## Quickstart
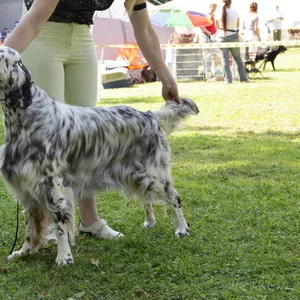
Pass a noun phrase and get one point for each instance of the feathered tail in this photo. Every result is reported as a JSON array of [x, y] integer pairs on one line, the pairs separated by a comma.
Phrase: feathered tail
[[171, 115]]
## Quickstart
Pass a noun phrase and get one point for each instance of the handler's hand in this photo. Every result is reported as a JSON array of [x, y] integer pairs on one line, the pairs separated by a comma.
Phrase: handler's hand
[[170, 92]]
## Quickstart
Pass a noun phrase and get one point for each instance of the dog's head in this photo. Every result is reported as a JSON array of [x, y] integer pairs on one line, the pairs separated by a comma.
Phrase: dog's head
[[15, 79], [281, 49]]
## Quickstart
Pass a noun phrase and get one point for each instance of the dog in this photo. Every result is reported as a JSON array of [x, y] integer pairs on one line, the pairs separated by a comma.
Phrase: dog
[[269, 54], [55, 153]]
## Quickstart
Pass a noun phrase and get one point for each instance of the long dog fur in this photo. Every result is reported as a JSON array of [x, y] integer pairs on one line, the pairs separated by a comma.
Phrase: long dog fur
[[55, 153]]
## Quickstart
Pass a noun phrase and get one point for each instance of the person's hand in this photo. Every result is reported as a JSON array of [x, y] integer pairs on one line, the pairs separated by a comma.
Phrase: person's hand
[[170, 92]]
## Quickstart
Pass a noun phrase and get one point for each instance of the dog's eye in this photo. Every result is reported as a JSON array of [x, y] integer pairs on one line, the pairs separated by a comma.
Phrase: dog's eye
[[10, 81]]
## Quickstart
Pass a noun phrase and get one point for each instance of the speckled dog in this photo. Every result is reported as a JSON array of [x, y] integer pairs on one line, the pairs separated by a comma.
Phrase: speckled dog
[[55, 153]]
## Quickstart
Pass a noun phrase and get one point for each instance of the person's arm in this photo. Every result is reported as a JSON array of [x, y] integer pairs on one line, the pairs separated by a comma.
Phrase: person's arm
[[256, 28], [31, 24], [148, 42]]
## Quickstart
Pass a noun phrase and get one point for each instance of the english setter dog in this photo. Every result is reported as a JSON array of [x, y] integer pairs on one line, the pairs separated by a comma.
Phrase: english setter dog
[[55, 153]]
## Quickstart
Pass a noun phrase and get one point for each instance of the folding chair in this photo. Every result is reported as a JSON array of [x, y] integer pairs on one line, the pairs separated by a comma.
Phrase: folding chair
[[253, 70]]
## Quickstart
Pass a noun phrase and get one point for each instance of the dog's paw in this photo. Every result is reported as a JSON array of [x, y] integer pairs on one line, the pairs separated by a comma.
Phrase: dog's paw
[[14, 255], [181, 232], [23, 251], [148, 224], [64, 259]]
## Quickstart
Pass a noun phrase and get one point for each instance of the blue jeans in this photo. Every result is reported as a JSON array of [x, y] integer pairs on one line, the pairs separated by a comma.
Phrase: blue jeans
[[235, 52]]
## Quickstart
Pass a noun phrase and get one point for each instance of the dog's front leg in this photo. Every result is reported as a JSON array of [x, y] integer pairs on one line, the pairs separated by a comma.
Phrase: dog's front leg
[[150, 217], [60, 201], [34, 231]]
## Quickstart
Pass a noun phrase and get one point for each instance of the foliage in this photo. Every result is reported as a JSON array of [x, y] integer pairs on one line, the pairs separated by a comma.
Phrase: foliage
[[236, 167]]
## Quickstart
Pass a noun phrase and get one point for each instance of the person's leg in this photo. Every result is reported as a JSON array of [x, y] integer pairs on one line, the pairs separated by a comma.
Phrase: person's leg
[[236, 54], [45, 60], [279, 31], [81, 81], [226, 65]]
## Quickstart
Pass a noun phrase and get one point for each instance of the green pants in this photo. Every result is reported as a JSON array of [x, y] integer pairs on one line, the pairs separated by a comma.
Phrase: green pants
[[62, 61]]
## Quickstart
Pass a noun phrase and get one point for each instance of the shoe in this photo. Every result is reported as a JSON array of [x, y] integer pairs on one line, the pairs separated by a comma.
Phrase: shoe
[[101, 230]]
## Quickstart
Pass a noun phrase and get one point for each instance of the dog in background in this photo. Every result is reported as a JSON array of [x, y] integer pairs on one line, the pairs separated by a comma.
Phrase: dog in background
[[55, 153], [269, 54]]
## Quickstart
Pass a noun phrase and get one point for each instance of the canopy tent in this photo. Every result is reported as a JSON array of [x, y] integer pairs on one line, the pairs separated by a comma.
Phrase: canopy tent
[[112, 27]]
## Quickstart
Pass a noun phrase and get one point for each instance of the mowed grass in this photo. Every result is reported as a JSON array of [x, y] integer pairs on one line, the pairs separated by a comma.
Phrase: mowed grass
[[236, 167]]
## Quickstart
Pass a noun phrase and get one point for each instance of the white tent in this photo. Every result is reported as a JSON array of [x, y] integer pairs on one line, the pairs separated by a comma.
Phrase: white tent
[[112, 27]]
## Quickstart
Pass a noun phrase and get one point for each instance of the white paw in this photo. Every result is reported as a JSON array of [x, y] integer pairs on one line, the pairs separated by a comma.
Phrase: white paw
[[64, 259], [181, 232], [148, 224], [22, 252], [14, 255]]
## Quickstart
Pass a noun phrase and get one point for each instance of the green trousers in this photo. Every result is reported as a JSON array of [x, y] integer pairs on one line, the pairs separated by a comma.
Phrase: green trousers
[[62, 61]]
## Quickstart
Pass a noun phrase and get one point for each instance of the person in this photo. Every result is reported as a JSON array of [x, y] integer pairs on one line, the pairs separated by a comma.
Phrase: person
[[275, 23], [251, 30], [55, 40], [210, 37], [228, 23]]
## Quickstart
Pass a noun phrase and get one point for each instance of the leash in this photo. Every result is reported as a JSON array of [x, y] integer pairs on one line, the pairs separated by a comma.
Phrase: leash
[[17, 229]]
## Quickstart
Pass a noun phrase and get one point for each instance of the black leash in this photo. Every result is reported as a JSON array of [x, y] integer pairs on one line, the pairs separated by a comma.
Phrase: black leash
[[17, 230]]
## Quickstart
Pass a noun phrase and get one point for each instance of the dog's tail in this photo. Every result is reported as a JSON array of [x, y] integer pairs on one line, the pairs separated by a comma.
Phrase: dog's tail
[[170, 115]]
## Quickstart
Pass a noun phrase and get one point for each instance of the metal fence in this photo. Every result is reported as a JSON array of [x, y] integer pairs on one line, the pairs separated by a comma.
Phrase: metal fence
[[203, 61]]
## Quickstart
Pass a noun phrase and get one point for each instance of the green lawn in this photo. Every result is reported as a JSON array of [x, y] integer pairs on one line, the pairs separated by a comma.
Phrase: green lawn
[[237, 168]]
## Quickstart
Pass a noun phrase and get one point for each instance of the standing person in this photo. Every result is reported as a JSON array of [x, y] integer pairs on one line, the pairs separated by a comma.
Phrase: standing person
[[210, 37], [275, 24], [251, 30], [54, 37], [228, 23]]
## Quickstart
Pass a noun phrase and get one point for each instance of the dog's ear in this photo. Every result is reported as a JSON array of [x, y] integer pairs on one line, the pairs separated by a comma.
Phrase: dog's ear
[[25, 99]]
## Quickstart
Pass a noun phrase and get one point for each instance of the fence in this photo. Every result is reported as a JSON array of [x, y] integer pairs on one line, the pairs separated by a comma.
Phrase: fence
[[198, 61]]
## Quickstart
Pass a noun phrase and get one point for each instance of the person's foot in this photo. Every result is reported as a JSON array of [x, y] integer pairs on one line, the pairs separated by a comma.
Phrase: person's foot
[[101, 230]]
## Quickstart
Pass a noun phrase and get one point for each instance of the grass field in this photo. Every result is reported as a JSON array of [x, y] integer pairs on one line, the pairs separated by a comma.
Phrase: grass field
[[237, 168]]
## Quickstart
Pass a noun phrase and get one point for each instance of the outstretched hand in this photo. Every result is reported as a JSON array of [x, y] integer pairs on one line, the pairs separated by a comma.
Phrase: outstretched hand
[[170, 92]]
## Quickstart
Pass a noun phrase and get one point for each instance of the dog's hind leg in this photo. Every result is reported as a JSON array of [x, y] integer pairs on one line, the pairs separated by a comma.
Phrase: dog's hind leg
[[161, 189], [35, 219], [60, 201]]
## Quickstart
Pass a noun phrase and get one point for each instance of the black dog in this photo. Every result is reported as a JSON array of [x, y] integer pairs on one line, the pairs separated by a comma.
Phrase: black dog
[[269, 54]]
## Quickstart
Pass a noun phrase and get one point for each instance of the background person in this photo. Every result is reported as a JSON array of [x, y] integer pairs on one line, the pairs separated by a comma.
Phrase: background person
[[275, 24], [251, 30], [54, 37], [228, 22], [209, 32]]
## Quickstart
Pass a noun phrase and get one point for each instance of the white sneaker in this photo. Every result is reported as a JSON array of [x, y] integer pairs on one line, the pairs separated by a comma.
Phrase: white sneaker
[[101, 230]]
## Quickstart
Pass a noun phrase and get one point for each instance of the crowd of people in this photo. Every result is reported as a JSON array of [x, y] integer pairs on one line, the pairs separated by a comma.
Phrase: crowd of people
[[229, 25]]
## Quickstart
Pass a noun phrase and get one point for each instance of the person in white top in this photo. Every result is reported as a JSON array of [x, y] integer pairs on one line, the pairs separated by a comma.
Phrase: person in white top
[[275, 24], [228, 23], [251, 30]]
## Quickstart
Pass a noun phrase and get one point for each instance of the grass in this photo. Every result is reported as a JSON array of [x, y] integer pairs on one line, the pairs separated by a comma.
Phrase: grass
[[236, 167]]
